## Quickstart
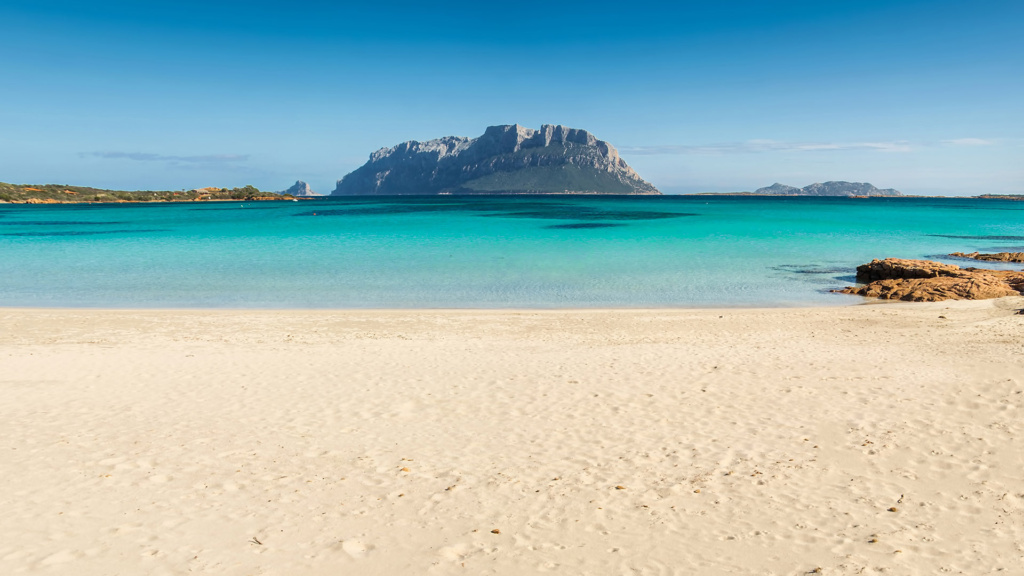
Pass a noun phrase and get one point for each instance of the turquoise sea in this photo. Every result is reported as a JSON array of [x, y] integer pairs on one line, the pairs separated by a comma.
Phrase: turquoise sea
[[480, 252]]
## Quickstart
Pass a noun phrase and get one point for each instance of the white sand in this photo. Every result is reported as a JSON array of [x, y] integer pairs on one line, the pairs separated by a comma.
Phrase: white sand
[[367, 442]]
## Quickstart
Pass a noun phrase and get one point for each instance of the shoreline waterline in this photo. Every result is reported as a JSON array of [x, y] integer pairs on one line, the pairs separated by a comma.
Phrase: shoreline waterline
[[1007, 302]]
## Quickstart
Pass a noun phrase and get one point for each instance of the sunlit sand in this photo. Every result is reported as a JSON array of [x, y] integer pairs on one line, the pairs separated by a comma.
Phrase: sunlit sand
[[858, 440]]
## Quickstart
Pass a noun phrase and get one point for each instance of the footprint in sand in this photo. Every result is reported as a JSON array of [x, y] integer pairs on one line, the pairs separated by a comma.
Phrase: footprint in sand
[[455, 553], [355, 548], [62, 557]]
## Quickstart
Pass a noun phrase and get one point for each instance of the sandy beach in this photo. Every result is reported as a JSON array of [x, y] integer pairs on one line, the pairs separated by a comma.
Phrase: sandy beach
[[874, 439]]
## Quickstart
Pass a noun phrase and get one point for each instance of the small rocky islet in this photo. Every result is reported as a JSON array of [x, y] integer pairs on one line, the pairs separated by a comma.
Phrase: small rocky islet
[[300, 190]]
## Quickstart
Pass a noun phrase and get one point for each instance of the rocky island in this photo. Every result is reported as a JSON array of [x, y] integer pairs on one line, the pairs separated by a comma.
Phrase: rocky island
[[831, 188], [506, 159], [300, 190]]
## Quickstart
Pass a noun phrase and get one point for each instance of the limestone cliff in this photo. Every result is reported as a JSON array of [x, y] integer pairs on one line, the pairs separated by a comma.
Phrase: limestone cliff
[[507, 159]]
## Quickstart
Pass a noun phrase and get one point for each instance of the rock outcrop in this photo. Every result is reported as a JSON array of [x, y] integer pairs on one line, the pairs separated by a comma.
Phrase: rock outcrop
[[833, 188], [997, 257], [927, 281], [300, 190], [507, 159]]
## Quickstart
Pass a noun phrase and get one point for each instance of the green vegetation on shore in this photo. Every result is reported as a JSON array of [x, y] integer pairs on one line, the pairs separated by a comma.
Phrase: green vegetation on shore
[[1003, 196], [65, 193]]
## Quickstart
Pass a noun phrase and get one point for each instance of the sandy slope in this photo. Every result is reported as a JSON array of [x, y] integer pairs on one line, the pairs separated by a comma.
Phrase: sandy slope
[[365, 442]]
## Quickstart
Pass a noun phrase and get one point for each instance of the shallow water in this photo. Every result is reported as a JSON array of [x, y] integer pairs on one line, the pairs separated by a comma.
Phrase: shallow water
[[480, 252]]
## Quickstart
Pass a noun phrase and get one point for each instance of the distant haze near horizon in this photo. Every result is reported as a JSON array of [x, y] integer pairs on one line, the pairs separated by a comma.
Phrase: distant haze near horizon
[[921, 96]]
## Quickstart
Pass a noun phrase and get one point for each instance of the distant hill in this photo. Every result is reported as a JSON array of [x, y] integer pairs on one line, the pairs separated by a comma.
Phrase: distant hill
[[506, 159], [779, 190], [832, 188]]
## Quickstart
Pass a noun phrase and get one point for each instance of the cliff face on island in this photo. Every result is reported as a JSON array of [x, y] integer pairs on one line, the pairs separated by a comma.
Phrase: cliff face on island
[[506, 159], [832, 188]]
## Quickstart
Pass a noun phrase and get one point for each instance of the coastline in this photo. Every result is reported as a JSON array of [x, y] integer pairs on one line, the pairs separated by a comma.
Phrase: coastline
[[35, 202], [592, 441]]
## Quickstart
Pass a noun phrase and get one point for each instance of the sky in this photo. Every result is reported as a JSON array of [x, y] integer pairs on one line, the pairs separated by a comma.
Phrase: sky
[[925, 96]]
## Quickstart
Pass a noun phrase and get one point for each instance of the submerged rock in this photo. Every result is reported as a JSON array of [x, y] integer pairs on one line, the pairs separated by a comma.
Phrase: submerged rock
[[507, 159], [927, 281]]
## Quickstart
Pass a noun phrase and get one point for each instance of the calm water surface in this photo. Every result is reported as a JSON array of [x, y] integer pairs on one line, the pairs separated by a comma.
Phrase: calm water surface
[[479, 252]]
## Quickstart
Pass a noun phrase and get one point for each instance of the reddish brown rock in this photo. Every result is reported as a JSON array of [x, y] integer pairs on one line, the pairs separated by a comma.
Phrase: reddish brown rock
[[936, 289], [997, 257], [927, 281]]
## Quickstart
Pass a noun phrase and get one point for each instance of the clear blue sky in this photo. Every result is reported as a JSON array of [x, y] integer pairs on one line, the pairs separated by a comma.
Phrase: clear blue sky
[[924, 96]]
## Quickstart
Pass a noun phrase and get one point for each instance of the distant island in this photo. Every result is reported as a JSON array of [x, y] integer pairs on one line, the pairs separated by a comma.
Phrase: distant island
[[507, 159], [68, 194], [848, 190], [831, 188], [300, 190]]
